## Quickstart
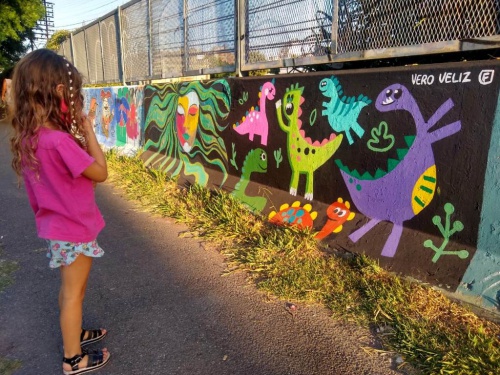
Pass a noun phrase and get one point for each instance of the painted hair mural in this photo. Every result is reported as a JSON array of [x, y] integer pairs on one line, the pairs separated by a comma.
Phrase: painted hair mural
[[400, 164], [182, 128]]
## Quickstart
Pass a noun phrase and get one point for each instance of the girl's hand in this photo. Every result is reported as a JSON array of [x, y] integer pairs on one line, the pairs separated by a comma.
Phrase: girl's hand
[[87, 124]]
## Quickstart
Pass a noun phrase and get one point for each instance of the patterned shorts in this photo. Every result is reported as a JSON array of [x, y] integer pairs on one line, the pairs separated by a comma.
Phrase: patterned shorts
[[63, 253]]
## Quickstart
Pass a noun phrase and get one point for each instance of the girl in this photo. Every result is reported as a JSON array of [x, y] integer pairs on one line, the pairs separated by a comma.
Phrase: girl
[[57, 154]]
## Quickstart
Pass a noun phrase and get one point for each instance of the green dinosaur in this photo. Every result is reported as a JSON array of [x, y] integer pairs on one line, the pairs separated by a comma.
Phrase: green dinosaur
[[304, 155], [255, 161], [342, 112]]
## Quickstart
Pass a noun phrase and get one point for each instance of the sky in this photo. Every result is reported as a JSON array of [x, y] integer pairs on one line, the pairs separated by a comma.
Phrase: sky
[[72, 14]]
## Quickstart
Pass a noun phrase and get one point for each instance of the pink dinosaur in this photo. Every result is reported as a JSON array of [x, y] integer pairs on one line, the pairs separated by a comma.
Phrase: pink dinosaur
[[255, 122]]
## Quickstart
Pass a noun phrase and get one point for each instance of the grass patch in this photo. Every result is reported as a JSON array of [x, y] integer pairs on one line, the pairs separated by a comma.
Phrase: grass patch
[[432, 333], [8, 366]]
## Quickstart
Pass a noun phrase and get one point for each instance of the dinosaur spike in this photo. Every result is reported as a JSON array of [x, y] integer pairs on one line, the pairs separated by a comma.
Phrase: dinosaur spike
[[367, 176], [351, 216], [379, 173], [271, 215], [273, 81], [391, 164], [252, 109], [314, 215], [356, 174], [257, 108], [307, 207], [284, 206], [401, 153], [296, 204], [409, 139], [347, 204], [243, 118], [340, 200], [260, 94], [340, 165], [338, 229]]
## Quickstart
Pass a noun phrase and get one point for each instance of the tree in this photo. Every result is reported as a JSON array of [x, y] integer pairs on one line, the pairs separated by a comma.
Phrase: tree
[[57, 39], [17, 18]]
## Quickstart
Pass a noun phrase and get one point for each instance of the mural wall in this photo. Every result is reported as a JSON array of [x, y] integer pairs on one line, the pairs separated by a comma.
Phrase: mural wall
[[400, 164], [116, 113]]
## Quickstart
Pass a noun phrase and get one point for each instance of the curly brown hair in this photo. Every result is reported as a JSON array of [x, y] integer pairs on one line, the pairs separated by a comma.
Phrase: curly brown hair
[[37, 103]]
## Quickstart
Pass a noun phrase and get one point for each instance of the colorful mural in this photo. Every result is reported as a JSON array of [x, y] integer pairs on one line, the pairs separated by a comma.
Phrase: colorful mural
[[402, 153], [116, 114], [183, 123]]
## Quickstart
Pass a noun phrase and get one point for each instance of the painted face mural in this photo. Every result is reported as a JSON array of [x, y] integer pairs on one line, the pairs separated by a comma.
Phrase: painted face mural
[[188, 115], [183, 125]]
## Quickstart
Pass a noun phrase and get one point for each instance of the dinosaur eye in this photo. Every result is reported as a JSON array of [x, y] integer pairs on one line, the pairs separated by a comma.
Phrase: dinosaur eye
[[263, 156], [388, 93], [342, 213], [398, 93], [336, 210]]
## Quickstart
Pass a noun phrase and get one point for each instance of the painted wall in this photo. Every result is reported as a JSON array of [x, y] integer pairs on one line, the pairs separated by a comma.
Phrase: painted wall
[[116, 113], [400, 164]]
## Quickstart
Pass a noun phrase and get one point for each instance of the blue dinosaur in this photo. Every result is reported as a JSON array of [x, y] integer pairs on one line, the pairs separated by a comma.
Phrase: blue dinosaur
[[342, 111]]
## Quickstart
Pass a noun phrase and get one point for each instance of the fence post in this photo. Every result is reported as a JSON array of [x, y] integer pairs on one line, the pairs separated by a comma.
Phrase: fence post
[[102, 54], [150, 40], [335, 27], [71, 48], [185, 60], [241, 37], [86, 53], [121, 66]]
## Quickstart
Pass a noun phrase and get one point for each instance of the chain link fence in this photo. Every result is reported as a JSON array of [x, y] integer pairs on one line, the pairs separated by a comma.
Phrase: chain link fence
[[154, 39]]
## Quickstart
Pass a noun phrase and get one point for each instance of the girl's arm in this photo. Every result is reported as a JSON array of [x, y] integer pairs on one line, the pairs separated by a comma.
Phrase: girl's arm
[[98, 170]]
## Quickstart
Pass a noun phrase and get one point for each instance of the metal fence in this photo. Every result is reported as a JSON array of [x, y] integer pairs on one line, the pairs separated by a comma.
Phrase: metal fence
[[153, 39]]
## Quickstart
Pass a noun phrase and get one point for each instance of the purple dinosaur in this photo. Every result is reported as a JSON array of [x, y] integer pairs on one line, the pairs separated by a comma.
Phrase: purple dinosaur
[[255, 121], [408, 186]]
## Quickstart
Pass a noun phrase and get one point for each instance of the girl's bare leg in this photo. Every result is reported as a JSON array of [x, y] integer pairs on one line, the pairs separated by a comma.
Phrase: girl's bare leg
[[73, 283]]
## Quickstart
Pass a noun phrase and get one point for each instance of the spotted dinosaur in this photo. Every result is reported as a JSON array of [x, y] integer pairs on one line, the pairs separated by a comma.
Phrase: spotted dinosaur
[[342, 112], [303, 217], [255, 161], [408, 185], [295, 215], [304, 155], [255, 122]]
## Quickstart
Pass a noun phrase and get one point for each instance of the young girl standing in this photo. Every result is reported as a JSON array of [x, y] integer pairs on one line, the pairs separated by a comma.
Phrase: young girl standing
[[57, 154]]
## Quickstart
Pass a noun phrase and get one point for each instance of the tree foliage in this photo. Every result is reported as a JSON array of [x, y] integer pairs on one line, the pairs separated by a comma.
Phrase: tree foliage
[[16, 16], [57, 39], [17, 19]]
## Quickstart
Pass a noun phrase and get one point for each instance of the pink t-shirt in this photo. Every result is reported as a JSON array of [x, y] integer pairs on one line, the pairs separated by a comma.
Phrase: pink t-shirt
[[62, 198]]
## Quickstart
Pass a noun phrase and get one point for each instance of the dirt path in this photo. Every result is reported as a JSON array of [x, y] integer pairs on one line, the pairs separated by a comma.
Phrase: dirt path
[[165, 303]]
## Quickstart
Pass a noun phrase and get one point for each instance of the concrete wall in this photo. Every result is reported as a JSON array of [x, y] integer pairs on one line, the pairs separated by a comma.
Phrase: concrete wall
[[401, 164]]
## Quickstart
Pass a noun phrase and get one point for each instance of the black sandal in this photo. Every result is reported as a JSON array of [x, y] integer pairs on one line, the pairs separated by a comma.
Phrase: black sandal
[[93, 336], [95, 361]]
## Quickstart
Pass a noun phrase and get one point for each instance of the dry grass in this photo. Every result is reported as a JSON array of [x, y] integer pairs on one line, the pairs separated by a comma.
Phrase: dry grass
[[432, 333]]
